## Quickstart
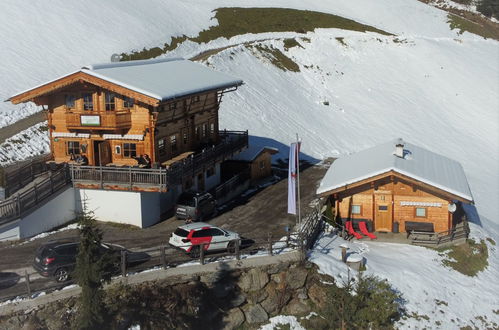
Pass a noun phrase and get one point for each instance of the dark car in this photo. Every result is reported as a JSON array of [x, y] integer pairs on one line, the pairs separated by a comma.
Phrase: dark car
[[57, 259], [195, 206]]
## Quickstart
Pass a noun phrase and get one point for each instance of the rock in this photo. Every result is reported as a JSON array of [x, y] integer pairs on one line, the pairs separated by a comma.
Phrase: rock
[[318, 295], [255, 297], [255, 314], [209, 279], [277, 297], [237, 300], [253, 280], [297, 307], [302, 294], [222, 290], [277, 268], [233, 319], [277, 278], [296, 277]]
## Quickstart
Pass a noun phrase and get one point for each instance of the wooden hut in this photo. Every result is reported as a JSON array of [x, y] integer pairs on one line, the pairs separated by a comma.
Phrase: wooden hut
[[397, 187], [255, 160]]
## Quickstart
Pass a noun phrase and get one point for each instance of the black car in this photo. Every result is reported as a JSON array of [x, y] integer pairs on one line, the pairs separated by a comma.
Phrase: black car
[[195, 206], [57, 259]]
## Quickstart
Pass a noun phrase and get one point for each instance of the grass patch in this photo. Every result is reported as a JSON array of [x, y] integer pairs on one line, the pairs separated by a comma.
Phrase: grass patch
[[491, 241], [462, 24], [469, 258], [237, 21], [276, 57], [290, 43], [122, 226], [341, 40]]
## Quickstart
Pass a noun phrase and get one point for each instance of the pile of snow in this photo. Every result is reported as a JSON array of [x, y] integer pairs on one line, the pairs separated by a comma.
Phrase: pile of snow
[[30, 142]]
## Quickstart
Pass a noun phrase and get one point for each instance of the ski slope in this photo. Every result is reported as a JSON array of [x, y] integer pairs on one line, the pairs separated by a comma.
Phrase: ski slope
[[427, 84]]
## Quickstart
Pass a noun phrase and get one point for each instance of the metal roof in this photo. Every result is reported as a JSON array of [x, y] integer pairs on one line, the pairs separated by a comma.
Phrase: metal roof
[[250, 153], [418, 163]]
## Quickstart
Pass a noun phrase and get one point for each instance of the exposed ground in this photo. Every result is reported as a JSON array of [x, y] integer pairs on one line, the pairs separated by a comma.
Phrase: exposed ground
[[21, 125]]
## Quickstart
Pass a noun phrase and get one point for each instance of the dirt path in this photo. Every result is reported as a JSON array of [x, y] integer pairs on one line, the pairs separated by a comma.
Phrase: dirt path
[[21, 125]]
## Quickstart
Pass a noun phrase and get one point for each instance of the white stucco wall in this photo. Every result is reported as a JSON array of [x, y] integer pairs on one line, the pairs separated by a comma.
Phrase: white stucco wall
[[10, 231], [55, 212]]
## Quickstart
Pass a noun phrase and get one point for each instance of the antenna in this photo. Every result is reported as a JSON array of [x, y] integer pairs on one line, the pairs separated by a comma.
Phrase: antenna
[[115, 58]]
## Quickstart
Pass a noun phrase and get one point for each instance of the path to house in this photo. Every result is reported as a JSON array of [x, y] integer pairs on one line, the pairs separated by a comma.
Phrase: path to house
[[21, 125]]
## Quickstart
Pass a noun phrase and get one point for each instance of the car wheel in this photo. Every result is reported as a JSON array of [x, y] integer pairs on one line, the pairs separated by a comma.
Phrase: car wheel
[[231, 247], [61, 275], [195, 251]]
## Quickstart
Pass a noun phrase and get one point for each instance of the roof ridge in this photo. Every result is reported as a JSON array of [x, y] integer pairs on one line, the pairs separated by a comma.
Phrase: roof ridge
[[130, 63]]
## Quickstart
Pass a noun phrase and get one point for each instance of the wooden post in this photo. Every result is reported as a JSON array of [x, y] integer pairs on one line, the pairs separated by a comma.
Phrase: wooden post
[[270, 244], [344, 254], [288, 236], [238, 250], [26, 277], [130, 176], [201, 254], [163, 256], [123, 263], [36, 193], [18, 205]]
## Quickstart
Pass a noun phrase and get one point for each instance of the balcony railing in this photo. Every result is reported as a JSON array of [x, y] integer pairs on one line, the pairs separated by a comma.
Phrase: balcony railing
[[158, 179], [110, 120]]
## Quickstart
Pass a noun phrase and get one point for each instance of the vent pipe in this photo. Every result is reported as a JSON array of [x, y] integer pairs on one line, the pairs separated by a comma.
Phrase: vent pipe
[[399, 148]]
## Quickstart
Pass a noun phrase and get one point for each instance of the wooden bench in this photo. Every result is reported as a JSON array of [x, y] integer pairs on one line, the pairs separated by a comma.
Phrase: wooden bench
[[421, 232], [178, 158]]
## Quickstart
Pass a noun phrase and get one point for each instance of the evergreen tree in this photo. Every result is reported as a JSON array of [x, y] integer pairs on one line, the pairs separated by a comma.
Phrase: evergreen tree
[[92, 270], [489, 8]]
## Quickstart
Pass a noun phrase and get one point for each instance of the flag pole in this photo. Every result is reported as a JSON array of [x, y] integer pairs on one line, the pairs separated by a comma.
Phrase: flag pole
[[298, 176]]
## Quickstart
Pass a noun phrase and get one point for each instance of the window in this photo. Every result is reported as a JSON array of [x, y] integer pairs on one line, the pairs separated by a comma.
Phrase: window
[[128, 102], [129, 150], [88, 102], [262, 164], [205, 130], [161, 146], [201, 233], [173, 144], [210, 172], [185, 137], [356, 209], [383, 208], [198, 132], [110, 101], [421, 212], [195, 99], [73, 148], [70, 101], [212, 128], [117, 150], [173, 106]]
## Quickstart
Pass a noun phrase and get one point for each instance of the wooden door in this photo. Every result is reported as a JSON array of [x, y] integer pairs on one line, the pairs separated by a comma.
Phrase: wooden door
[[105, 153], [383, 213]]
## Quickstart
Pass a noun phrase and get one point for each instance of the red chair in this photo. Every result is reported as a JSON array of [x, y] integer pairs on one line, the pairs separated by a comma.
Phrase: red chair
[[363, 230], [349, 228]]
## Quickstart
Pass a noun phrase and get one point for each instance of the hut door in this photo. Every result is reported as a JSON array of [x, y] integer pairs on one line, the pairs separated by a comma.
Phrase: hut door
[[383, 212], [102, 153]]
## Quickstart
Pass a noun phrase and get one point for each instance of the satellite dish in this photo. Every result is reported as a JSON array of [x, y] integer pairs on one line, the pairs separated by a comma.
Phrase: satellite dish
[[115, 58], [452, 207]]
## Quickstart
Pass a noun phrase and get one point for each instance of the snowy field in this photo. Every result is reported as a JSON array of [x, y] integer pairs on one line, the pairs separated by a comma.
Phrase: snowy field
[[428, 85]]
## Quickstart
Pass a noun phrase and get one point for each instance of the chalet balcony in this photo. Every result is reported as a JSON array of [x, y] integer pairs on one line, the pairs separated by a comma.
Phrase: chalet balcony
[[161, 178], [109, 120]]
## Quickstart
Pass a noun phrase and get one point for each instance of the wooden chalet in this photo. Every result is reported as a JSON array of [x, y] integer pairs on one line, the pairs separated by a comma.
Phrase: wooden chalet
[[108, 115], [397, 187], [255, 160]]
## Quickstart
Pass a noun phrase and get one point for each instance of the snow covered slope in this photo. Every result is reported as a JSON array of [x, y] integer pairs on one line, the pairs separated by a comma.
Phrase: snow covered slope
[[428, 85]]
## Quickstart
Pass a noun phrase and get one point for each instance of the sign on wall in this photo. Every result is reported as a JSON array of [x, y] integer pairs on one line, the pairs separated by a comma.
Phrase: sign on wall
[[90, 120]]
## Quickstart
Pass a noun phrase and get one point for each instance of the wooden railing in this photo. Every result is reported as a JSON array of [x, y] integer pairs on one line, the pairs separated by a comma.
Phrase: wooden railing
[[438, 238], [130, 177], [25, 202], [99, 120]]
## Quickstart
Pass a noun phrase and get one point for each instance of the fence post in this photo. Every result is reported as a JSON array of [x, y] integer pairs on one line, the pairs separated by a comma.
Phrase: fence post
[[201, 254], [163, 256], [101, 183], [18, 204], [130, 176], [302, 247], [270, 244], [36, 193], [26, 277], [238, 250], [123, 263]]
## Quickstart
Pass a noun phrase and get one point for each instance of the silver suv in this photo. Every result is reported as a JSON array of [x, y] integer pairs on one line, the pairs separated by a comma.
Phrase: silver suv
[[195, 206]]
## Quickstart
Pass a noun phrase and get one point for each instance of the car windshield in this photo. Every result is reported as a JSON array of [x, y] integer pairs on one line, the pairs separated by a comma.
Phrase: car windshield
[[181, 232], [186, 199]]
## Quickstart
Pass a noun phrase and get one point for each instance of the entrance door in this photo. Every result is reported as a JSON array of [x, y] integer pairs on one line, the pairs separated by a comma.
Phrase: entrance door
[[383, 213], [102, 153]]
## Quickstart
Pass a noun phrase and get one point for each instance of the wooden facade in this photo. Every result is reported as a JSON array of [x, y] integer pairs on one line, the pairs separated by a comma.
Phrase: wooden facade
[[259, 167], [389, 202], [112, 125]]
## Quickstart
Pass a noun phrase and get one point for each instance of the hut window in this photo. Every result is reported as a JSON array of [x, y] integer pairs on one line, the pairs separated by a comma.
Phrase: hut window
[[161, 146], [356, 209], [210, 172], [205, 129], [198, 132], [421, 212], [212, 128], [110, 101], [383, 208], [88, 102], [128, 102], [117, 150], [70, 101], [129, 150], [173, 106], [195, 99], [73, 147], [185, 137], [173, 143]]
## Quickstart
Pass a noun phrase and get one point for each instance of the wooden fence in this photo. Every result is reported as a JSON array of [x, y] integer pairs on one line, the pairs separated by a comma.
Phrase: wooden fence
[[23, 203]]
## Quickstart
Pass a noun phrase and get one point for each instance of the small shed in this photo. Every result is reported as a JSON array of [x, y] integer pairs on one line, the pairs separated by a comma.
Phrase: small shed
[[397, 186], [256, 160]]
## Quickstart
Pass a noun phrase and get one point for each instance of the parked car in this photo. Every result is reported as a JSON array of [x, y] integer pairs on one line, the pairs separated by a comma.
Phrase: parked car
[[57, 259], [189, 238], [195, 206]]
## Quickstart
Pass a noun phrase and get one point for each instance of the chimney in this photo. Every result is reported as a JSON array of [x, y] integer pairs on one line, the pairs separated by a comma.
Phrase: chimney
[[399, 148]]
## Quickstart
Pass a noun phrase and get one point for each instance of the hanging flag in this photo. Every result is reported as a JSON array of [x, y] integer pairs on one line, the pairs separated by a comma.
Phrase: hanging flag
[[292, 172]]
